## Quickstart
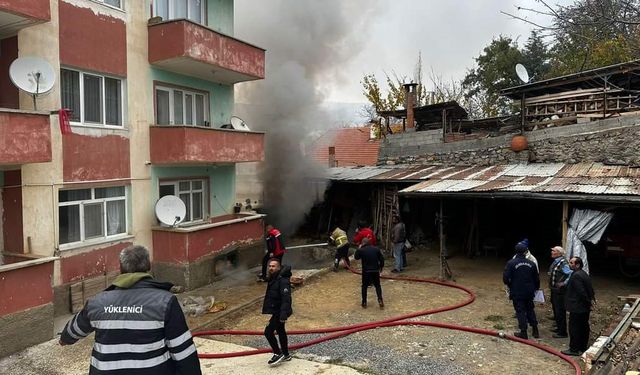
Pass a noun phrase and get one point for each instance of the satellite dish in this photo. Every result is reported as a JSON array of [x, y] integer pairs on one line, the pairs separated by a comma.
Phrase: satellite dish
[[522, 73], [239, 124], [170, 210], [33, 75]]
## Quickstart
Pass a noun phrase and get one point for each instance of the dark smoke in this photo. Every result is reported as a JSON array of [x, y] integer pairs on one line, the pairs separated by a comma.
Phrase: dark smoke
[[307, 44]]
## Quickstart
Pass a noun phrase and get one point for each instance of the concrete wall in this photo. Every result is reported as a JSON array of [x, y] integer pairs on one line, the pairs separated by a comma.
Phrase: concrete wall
[[613, 141], [25, 328], [38, 190]]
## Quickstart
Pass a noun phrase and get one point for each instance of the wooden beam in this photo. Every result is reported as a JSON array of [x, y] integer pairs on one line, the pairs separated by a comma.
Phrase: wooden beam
[[565, 222]]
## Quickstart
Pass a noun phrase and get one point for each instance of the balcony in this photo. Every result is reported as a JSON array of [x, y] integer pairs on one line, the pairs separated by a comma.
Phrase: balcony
[[25, 137], [185, 47], [18, 14], [188, 255], [184, 145]]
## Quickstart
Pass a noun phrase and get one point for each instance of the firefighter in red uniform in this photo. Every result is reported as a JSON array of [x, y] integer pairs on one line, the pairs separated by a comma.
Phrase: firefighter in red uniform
[[364, 231], [275, 249]]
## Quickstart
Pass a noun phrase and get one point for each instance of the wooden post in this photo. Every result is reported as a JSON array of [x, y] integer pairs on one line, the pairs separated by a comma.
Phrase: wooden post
[[444, 126], [522, 115], [442, 244], [565, 222]]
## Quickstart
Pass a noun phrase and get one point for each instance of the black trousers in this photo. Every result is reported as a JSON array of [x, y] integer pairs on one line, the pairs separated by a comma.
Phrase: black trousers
[[578, 331], [525, 313], [275, 325], [265, 260], [374, 279], [342, 253], [559, 311]]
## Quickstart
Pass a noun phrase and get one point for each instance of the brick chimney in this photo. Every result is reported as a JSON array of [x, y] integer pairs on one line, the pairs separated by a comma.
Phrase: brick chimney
[[410, 102], [332, 157]]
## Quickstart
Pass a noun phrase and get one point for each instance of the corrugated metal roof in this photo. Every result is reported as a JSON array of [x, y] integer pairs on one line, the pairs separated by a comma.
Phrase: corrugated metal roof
[[585, 178]]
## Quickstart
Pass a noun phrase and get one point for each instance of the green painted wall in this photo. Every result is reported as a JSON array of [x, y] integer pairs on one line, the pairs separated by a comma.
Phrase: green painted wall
[[220, 16], [220, 96], [222, 184]]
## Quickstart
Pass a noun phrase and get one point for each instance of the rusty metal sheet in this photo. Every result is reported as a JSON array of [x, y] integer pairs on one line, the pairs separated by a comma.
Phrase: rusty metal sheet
[[393, 174], [490, 173], [494, 185], [465, 173], [420, 173], [419, 186], [534, 169], [574, 170], [533, 180], [440, 186], [600, 170]]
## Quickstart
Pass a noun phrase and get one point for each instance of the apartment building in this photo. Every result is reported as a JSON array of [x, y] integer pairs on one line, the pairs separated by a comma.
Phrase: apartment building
[[148, 85]]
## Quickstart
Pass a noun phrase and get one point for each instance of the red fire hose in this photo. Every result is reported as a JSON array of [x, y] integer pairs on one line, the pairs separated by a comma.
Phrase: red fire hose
[[400, 320]]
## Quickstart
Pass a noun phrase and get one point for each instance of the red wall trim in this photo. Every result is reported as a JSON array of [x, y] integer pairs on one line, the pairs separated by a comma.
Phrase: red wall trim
[[24, 138], [181, 247], [27, 287], [92, 263], [91, 41], [88, 158], [34, 9]]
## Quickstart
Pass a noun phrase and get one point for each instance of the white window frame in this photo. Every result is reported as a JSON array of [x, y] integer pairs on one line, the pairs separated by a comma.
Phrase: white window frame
[[172, 11], [203, 190], [103, 2], [123, 99], [94, 200], [185, 92]]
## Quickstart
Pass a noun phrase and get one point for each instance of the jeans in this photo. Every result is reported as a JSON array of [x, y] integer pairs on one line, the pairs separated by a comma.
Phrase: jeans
[[397, 255], [276, 325]]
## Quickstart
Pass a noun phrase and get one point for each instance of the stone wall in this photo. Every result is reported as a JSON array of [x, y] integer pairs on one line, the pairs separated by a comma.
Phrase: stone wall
[[611, 141]]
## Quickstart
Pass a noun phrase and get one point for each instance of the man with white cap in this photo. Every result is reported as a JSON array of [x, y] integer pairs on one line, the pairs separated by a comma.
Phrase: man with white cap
[[559, 273]]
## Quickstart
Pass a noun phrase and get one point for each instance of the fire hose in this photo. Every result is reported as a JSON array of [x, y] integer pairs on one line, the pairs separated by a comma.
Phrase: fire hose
[[400, 320]]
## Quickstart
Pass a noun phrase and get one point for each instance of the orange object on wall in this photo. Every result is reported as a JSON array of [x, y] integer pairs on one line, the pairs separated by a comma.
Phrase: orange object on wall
[[519, 143]]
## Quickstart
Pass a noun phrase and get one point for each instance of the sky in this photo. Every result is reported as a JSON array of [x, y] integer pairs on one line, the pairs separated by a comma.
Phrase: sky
[[317, 52], [387, 35]]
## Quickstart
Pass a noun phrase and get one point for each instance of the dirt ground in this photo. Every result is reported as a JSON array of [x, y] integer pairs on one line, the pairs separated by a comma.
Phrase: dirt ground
[[334, 300]]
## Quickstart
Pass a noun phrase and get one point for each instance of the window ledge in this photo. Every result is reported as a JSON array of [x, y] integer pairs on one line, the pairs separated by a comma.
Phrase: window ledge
[[199, 227], [81, 247]]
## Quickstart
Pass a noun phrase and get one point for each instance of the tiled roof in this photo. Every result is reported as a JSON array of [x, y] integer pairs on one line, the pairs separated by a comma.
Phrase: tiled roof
[[353, 147]]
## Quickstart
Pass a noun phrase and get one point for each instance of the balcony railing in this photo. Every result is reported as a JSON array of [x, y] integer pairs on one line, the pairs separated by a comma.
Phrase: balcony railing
[[18, 14], [25, 137], [188, 48], [197, 145]]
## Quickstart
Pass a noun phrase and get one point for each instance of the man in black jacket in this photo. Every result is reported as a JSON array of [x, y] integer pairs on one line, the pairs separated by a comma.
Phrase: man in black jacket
[[521, 276], [277, 302], [372, 264], [578, 300], [140, 328]]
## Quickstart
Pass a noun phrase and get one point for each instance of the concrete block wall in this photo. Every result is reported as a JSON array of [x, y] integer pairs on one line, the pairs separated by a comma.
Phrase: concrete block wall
[[611, 141]]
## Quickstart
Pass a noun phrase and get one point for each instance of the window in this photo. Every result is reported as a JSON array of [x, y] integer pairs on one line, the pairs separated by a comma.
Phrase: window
[[193, 10], [93, 99], [112, 3], [181, 107], [92, 213], [192, 193]]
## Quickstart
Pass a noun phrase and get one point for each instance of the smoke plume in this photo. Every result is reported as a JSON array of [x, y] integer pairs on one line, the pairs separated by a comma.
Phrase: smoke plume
[[307, 44]]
